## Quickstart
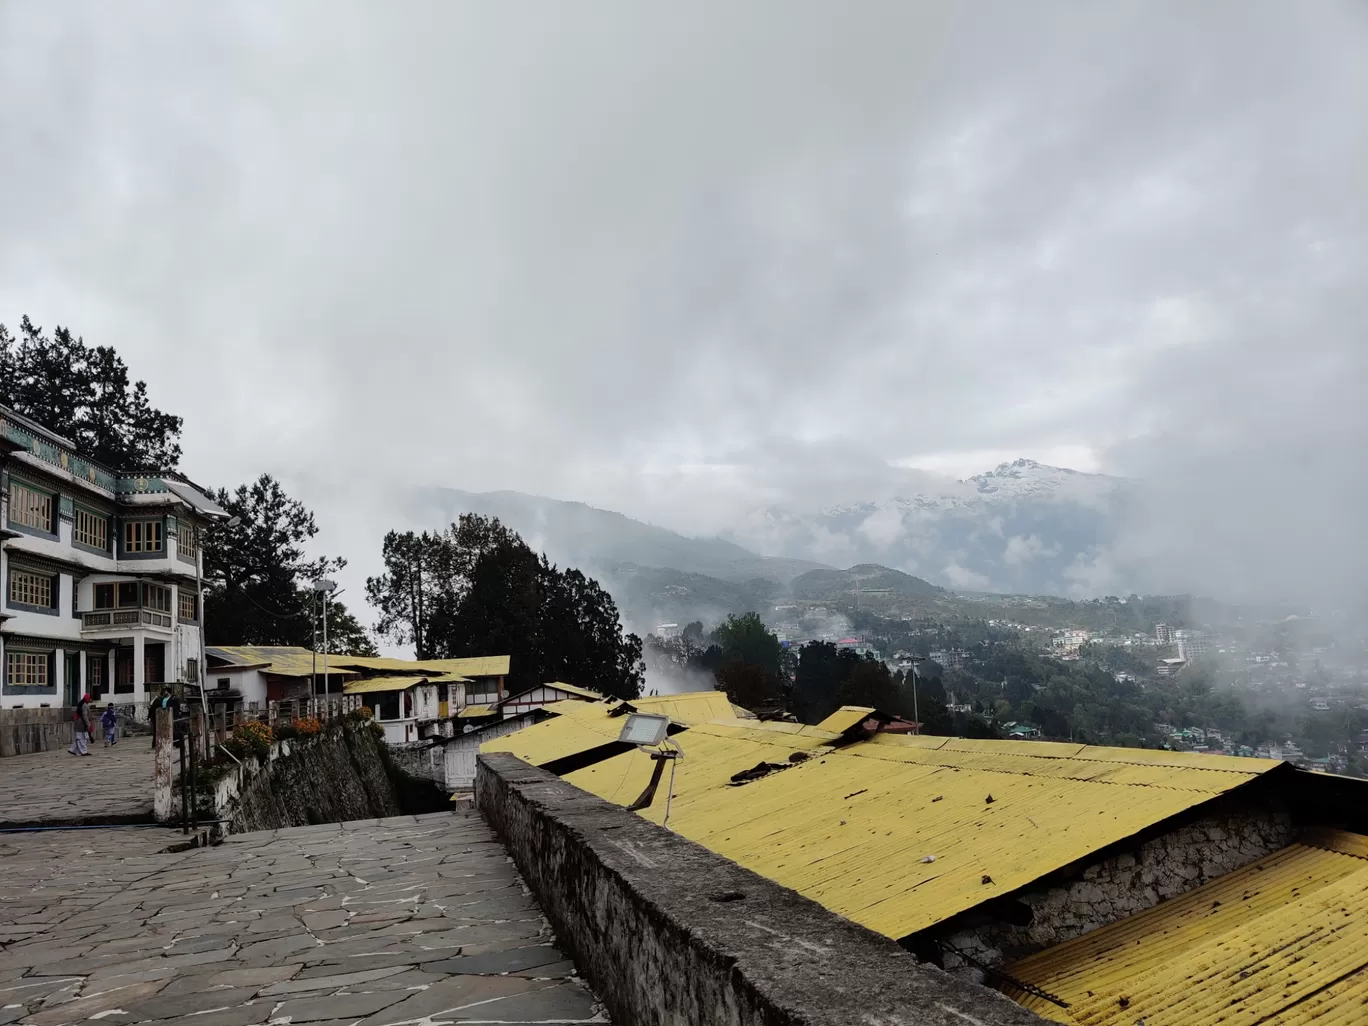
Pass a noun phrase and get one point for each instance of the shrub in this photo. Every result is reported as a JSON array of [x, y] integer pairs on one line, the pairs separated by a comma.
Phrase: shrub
[[286, 731], [360, 714], [250, 737], [307, 726]]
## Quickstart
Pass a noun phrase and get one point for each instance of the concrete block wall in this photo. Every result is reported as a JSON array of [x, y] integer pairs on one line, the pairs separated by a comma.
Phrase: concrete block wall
[[667, 932]]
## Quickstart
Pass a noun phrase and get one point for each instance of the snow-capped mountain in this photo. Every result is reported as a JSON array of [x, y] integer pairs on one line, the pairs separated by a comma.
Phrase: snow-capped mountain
[[1022, 527]]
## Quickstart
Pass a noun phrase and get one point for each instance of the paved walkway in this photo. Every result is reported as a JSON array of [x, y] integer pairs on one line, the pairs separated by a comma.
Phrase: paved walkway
[[379, 922], [110, 785]]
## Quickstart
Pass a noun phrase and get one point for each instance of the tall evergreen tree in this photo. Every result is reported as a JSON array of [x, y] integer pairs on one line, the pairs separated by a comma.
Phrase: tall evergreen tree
[[478, 589], [258, 581], [85, 394]]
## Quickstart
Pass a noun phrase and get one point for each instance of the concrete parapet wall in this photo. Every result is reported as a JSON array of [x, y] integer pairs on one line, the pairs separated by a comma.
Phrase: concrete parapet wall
[[668, 932]]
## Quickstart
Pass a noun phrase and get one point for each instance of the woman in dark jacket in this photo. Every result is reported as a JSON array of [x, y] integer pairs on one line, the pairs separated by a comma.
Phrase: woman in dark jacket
[[80, 727]]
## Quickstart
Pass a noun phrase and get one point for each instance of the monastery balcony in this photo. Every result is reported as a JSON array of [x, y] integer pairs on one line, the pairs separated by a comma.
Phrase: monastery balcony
[[116, 621]]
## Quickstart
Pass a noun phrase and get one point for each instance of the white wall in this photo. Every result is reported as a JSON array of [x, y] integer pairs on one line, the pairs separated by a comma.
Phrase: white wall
[[462, 749]]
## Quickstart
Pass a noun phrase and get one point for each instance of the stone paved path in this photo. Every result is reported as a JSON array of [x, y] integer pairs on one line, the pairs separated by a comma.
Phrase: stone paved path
[[413, 920], [110, 785]]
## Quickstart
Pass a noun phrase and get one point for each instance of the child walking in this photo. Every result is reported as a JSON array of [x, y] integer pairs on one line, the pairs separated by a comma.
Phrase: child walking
[[109, 720]]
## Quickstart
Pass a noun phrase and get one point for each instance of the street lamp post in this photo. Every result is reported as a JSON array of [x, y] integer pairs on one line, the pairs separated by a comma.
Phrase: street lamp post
[[326, 588]]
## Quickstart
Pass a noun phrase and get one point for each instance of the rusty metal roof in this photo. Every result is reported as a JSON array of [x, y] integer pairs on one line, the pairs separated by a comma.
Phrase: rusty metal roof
[[897, 832], [1280, 942]]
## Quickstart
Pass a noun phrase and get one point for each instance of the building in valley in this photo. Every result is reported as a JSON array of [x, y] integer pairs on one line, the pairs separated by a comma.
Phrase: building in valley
[[101, 571]]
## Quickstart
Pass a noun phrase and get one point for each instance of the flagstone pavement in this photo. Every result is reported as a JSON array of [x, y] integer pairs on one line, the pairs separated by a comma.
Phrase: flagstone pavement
[[110, 785], [411, 920]]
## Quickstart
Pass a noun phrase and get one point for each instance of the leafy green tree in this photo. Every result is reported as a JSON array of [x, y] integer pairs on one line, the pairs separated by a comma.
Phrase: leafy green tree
[[257, 577], [822, 669], [870, 683], [408, 595], [752, 663], [478, 589], [746, 639], [85, 394]]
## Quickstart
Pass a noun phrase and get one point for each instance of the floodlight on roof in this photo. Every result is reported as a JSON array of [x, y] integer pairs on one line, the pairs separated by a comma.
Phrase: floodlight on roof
[[644, 729]]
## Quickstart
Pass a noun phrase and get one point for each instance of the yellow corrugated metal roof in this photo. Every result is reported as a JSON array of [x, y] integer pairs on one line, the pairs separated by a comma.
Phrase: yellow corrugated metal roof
[[572, 689], [850, 828], [285, 660], [846, 717], [474, 666], [472, 712], [580, 726], [712, 753], [374, 684], [689, 707], [576, 727], [1280, 942]]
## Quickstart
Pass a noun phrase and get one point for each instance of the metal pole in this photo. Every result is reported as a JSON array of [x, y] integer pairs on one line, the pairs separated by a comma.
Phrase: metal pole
[[199, 599], [916, 715], [325, 642], [313, 617], [185, 807], [193, 739]]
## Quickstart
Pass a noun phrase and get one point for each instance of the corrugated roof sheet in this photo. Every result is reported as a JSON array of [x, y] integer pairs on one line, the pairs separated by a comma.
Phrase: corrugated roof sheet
[[474, 666], [572, 689], [576, 727], [580, 726], [1281, 942], [374, 684], [850, 828], [474, 712], [689, 707], [846, 717], [712, 753], [285, 660]]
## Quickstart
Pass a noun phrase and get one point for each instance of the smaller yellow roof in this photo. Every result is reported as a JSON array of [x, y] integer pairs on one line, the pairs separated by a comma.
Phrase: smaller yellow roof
[[373, 684], [474, 712], [846, 717], [573, 689], [689, 707], [284, 660], [474, 666]]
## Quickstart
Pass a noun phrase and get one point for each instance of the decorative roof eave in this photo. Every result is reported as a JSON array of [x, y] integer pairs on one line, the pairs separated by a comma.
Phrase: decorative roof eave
[[35, 445]]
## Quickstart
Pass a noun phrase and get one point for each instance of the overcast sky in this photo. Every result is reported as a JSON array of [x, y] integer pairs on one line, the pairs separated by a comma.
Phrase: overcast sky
[[682, 259]]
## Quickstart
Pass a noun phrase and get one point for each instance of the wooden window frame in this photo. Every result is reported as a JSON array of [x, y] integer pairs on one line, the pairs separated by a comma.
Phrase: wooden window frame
[[99, 540], [184, 596], [138, 540], [28, 600], [185, 529], [28, 664], [150, 590], [17, 490]]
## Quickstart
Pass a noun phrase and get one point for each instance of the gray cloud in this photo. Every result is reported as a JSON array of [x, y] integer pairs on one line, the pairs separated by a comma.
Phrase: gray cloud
[[689, 260]]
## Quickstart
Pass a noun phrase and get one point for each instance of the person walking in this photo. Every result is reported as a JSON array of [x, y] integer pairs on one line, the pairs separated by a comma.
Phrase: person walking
[[110, 722], [80, 728]]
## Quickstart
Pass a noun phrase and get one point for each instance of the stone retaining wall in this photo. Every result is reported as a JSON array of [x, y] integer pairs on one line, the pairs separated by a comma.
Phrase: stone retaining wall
[[337, 777], [668, 932], [1130, 882]]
